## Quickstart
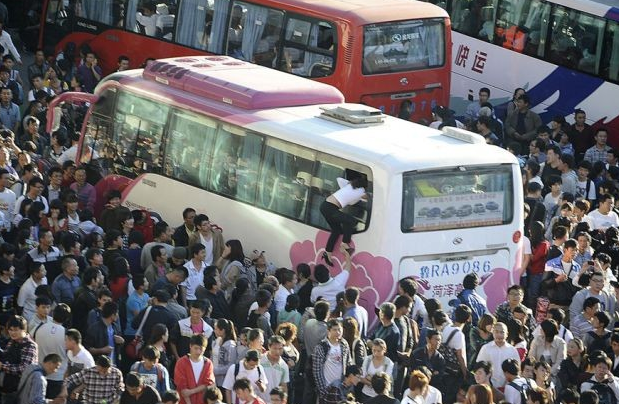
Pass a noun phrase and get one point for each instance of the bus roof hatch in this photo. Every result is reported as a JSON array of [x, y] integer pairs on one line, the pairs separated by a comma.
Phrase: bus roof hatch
[[355, 115]]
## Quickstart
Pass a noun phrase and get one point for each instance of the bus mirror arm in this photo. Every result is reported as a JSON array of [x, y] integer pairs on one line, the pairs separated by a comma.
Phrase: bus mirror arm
[[54, 112]]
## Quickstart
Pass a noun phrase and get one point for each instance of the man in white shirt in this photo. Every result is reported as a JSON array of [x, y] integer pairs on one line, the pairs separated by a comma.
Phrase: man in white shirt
[[248, 368], [288, 279], [26, 297], [7, 199], [50, 338], [515, 382], [78, 357], [148, 18], [195, 268], [496, 352], [604, 217], [329, 287]]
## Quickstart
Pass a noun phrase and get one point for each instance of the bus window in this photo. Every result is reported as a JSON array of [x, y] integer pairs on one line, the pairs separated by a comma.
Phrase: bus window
[[404, 45], [236, 160], [234, 47], [285, 178], [103, 11], [324, 182], [577, 40], [165, 22], [190, 147], [522, 25], [468, 197], [139, 126], [610, 68], [195, 23], [308, 49]]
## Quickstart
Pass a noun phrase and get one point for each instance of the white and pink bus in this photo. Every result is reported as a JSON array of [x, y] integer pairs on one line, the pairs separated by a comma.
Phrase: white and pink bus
[[259, 150]]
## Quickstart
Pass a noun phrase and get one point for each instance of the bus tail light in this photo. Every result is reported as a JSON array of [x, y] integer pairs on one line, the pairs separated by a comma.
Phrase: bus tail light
[[516, 236]]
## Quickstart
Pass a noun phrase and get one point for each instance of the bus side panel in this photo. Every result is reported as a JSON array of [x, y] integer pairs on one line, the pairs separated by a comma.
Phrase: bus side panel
[[286, 242], [477, 64]]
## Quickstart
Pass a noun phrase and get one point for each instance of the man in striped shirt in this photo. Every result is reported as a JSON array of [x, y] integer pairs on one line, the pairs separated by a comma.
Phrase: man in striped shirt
[[581, 324]]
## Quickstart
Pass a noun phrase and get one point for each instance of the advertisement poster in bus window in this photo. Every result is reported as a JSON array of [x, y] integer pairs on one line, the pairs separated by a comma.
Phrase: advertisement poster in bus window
[[466, 210]]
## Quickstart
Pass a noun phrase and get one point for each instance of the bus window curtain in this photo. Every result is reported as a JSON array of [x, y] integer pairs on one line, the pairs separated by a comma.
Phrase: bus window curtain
[[432, 40], [311, 57], [613, 70], [220, 25], [98, 10], [130, 21], [256, 21], [192, 17]]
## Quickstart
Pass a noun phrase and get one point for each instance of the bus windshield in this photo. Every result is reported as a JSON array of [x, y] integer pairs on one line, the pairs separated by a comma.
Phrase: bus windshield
[[462, 197], [403, 45]]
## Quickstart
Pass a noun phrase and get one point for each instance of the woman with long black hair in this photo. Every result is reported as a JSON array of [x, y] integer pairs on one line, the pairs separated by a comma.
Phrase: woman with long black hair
[[342, 223]]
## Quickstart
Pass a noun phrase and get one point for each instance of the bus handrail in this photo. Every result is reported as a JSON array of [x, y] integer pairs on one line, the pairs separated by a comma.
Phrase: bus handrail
[[53, 117]]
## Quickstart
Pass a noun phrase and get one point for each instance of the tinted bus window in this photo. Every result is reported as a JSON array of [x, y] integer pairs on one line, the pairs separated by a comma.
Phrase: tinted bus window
[[285, 178], [576, 40], [195, 22], [236, 160], [139, 127], [189, 147], [610, 66], [522, 25], [404, 45], [308, 47]]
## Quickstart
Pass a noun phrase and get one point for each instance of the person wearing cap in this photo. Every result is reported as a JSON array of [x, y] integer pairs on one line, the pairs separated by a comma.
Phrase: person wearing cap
[[259, 269], [250, 369], [471, 298], [211, 238], [102, 384]]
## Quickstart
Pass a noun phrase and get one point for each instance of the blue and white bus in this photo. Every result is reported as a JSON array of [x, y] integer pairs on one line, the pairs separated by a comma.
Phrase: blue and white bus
[[564, 53]]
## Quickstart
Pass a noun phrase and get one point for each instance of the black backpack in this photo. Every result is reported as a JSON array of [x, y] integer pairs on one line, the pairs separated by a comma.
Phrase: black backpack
[[605, 393], [237, 367], [452, 366], [252, 319], [523, 388]]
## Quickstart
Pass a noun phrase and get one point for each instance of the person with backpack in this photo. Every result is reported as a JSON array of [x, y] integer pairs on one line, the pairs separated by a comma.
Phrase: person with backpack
[[372, 365], [603, 382], [472, 299], [248, 368], [33, 384], [453, 348], [517, 386], [599, 338], [153, 372]]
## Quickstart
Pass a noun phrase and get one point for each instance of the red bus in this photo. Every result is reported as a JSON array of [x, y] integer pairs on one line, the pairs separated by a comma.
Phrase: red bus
[[394, 55]]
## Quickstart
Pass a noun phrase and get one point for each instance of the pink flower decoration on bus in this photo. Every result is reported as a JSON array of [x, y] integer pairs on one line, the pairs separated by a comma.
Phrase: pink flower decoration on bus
[[372, 275]]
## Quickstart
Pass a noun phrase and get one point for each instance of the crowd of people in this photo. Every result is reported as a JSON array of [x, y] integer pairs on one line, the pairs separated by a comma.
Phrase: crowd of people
[[100, 304]]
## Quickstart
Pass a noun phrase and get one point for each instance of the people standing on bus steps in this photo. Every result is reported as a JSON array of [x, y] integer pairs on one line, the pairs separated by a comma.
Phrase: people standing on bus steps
[[342, 223], [521, 125]]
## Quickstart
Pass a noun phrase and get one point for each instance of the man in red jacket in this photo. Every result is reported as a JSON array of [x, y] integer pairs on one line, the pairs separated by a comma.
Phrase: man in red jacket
[[184, 377]]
